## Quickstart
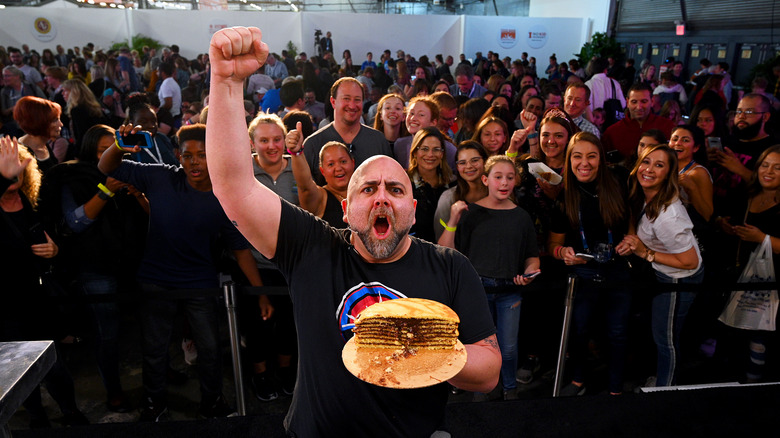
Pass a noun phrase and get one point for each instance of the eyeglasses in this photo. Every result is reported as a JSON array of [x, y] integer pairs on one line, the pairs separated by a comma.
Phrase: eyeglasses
[[436, 151], [748, 112], [473, 161]]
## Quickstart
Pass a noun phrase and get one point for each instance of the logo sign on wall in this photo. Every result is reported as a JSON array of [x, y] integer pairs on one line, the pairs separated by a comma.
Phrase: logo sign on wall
[[216, 25], [537, 37], [43, 30], [507, 36]]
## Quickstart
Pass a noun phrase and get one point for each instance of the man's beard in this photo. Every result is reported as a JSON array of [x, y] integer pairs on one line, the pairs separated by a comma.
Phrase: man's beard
[[749, 132], [382, 249]]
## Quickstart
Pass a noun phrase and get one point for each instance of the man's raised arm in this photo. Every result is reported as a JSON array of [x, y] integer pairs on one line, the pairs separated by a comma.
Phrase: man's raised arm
[[235, 54]]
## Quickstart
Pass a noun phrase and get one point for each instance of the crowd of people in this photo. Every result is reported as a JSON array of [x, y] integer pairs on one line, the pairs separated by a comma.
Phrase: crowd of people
[[620, 176]]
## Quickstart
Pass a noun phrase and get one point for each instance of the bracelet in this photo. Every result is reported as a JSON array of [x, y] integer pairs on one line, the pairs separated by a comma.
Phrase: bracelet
[[557, 251], [105, 190], [511, 154], [116, 143], [447, 227], [533, 135], [295, 154]]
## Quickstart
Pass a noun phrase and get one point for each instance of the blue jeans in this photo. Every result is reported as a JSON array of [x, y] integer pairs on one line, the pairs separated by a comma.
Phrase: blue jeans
[[669, 310], [106, 322], [157, 319], [590, 299], [505, 308]]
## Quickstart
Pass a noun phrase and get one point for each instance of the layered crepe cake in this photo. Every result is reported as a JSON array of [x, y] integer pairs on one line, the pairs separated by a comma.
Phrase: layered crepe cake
[[407, 324]]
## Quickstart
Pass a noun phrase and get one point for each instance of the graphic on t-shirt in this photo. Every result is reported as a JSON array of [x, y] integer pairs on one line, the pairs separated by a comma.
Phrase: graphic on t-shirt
[[357, 299]]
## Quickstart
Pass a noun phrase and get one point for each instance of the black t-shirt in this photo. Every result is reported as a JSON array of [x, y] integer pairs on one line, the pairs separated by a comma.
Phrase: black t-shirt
[[481, 228], [427, 198], [596, 231], [329, 285]]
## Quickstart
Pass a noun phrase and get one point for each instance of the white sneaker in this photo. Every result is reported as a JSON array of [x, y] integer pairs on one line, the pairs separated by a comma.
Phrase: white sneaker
[[190, 351]]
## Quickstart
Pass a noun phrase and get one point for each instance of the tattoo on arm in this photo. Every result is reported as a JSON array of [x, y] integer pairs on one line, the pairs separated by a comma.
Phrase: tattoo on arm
[[235, 224], [491, 341]]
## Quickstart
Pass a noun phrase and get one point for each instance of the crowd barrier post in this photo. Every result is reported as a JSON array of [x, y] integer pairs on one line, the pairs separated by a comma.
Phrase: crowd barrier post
[[229, 290], [570, 288]]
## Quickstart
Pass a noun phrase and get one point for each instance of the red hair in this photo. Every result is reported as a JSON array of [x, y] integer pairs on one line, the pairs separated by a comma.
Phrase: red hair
[[34, 115]]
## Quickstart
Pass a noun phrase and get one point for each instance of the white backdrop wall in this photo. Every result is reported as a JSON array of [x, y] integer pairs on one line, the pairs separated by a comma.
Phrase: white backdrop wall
[[540, 37], [192, 30], [361, 33], [597, 11]]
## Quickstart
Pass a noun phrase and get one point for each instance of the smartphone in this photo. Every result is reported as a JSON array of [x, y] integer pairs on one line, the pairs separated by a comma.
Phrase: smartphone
[[715, 142], [532, 274], [37, 235], [414, 77], [582, 255], [141, 139]]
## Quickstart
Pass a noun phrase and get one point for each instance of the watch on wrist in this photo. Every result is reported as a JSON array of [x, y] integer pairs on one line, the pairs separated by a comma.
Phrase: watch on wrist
[[103, 196], [650, 257]]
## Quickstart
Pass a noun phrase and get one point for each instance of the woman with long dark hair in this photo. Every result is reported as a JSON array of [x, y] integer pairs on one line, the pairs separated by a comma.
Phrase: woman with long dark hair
[[391, 118], [100, 222], [761, 219], [593, 219]]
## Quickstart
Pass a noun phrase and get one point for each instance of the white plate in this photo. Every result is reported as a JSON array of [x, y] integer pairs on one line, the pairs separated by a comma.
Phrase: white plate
[[537, 169], [392, 369]]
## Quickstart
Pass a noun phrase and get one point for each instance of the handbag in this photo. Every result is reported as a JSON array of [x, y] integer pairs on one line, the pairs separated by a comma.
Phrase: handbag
[[754, 309]]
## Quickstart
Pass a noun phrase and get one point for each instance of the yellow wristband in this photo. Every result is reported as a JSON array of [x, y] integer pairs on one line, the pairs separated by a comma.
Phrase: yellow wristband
[[116, 143], [446, 227], [105, 190], [511, 154]]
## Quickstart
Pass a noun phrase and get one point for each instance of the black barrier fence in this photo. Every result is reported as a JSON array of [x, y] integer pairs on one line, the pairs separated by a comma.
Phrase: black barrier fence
[[230, 292], [537, 286]]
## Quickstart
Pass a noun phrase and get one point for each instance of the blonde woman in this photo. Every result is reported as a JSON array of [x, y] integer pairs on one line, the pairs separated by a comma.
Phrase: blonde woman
[[83, 109]]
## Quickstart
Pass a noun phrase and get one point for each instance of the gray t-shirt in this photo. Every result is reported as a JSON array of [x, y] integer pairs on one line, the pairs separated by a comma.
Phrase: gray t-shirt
[[367, 143]]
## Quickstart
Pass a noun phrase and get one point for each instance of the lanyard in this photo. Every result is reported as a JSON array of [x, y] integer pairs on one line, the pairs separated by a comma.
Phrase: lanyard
[[687, 166], [585, 242], [157, 159]]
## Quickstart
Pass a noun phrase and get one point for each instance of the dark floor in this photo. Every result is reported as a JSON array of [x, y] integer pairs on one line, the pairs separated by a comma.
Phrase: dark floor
[[183, 399]]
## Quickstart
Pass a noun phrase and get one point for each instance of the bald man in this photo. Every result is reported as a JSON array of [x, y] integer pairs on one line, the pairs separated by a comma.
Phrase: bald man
[[334, 274]]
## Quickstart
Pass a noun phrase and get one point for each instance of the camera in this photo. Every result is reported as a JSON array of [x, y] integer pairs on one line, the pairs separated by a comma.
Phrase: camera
[[603, 253]]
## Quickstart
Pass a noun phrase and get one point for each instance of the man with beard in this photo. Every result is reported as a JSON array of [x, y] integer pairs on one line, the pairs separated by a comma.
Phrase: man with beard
[[624, 135], [346, 97], [333, 274], [737, 160]]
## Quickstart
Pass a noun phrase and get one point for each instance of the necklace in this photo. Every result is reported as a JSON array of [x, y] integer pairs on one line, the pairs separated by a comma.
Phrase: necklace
[[592, 195], [768, 200]]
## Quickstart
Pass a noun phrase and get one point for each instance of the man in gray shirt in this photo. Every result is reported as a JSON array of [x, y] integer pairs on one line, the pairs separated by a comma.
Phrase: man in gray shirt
[[346, 97]]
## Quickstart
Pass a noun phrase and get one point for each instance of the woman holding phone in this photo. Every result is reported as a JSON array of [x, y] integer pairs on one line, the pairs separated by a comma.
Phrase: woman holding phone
[[593, 219]]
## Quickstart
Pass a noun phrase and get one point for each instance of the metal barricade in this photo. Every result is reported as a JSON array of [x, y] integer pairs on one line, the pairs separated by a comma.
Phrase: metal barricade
[[570, 288], [229, 291]]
